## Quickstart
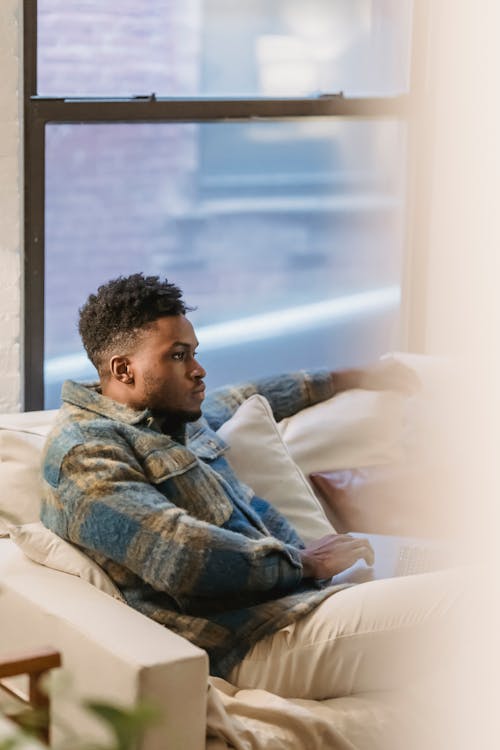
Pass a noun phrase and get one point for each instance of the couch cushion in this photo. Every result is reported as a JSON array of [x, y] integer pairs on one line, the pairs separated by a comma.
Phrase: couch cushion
[[387, 499], [22, 437], [20, 453], [354, 428], [43, 546], [261, 460], [39, 422]]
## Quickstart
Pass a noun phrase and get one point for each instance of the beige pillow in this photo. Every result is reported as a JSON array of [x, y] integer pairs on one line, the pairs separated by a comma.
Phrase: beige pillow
[[20, 455], [354, 428], [39, 422], [22, 437], [44, 547], [260, 459]]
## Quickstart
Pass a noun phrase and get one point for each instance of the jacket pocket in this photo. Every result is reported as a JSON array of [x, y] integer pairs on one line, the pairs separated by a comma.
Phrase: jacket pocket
[[195, 487], [160, 465]]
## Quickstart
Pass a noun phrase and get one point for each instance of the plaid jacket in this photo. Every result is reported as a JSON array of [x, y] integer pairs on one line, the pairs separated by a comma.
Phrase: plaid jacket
[[187, 543]]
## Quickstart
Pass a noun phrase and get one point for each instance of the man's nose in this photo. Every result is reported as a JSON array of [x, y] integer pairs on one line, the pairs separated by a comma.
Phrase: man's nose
[[198, 371]]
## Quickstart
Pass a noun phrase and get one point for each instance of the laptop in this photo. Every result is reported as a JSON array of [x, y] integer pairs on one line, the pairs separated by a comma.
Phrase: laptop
[[399, 556]]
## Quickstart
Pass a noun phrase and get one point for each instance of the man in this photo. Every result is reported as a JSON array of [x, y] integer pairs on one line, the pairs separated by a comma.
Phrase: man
[[136, 476]]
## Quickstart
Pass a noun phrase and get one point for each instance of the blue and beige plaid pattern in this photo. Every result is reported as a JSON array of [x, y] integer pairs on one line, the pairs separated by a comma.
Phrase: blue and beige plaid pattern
[[187, 543]]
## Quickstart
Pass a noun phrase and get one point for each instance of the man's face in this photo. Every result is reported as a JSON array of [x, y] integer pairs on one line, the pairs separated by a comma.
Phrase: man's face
[[167, 378]]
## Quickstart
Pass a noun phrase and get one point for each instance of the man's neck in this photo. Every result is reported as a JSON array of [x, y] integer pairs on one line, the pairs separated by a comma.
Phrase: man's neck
[[173, 426]]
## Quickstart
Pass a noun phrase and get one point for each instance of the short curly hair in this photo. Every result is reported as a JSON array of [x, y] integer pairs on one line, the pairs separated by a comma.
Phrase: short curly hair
[[113, 319]]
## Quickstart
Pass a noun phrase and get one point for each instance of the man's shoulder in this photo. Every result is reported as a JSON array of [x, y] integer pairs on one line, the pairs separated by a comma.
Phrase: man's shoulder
[[66, 429], [74, 427]]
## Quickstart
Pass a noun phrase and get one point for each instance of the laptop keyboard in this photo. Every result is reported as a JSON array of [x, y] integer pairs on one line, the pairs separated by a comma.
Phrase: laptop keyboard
[[415, 558]]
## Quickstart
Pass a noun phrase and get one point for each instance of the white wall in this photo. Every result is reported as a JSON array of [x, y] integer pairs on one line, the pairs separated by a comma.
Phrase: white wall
[[461, 299], [10, 206], [464, 259]]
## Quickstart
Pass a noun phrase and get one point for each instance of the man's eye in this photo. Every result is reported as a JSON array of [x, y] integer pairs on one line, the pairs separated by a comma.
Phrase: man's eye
[[179, 356]]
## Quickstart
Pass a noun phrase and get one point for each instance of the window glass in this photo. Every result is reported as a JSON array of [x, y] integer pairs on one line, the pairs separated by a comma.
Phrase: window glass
[[286, 235], [223, 47]]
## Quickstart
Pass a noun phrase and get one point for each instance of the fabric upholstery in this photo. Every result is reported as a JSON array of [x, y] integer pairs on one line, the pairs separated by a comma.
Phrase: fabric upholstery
[[261, 459], [110, 652], [386, 499], [46, 548], [22, 437], [354, 428]]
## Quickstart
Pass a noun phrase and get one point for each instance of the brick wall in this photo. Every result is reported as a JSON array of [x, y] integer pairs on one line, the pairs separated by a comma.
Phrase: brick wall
[[10, 206]]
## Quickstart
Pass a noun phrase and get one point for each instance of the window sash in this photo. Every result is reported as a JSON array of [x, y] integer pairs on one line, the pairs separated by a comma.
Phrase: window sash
[[38, 111]]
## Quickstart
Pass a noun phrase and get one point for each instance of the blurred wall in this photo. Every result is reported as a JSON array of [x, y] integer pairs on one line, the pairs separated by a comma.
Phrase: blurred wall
[[463, 258], [460, 300], [460, 297]]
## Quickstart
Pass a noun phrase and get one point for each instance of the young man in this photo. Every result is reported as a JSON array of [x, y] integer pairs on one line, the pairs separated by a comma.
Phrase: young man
[[136, 476]]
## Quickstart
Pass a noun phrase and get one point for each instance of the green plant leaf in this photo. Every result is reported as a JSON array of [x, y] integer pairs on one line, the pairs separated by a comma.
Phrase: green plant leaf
[[9, 743], [126, 724], [32, 720]]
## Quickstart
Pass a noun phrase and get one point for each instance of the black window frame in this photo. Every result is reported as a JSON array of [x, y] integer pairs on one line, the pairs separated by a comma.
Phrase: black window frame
[[39, 111]]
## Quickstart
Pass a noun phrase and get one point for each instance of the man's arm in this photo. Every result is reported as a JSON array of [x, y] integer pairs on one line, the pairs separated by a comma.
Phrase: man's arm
[[387, 374], [289, 393], [275, 522], [111, 508]]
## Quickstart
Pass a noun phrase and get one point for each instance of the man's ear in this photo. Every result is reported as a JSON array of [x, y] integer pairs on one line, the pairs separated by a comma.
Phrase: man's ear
[[121, 370]]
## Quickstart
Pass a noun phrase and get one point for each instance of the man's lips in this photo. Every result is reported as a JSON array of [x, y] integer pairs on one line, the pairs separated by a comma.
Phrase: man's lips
[[199, 391]]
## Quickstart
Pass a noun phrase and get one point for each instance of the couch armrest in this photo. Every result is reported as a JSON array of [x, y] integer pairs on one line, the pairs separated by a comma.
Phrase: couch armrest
[[110, 651]]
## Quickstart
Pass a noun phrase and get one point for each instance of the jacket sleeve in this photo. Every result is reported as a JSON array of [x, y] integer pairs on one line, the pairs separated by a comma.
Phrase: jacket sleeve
[[105, 503], [276, 523], [287, 394]]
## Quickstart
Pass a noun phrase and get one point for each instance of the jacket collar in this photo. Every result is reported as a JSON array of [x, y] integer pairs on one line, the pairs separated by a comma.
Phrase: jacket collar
[[88, 396]]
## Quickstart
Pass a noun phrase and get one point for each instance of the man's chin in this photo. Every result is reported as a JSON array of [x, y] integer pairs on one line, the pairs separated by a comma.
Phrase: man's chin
[[192, 416], [181, 416]]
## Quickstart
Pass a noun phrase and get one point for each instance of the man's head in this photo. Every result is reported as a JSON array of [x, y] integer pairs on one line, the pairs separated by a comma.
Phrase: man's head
[[135, 334]]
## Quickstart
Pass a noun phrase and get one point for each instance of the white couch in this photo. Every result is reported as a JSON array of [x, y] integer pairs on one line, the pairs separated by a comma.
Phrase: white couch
[[114, 653]]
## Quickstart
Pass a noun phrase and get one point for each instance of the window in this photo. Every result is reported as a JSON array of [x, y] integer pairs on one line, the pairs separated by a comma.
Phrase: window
[[206, 141]]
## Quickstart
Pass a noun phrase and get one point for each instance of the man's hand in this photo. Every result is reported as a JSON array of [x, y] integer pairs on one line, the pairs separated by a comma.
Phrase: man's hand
[[333, 553], [388, 374]]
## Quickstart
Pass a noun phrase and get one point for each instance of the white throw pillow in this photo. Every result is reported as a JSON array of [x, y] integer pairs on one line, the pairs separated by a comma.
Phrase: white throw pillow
[[44, 547], [260, 459], [22, 437], [353, 429], [20, 488], [38, 422]]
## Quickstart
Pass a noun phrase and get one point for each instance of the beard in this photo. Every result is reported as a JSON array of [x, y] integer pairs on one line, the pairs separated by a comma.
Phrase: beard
[[155, 399], [173, 422], [180, 416]]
